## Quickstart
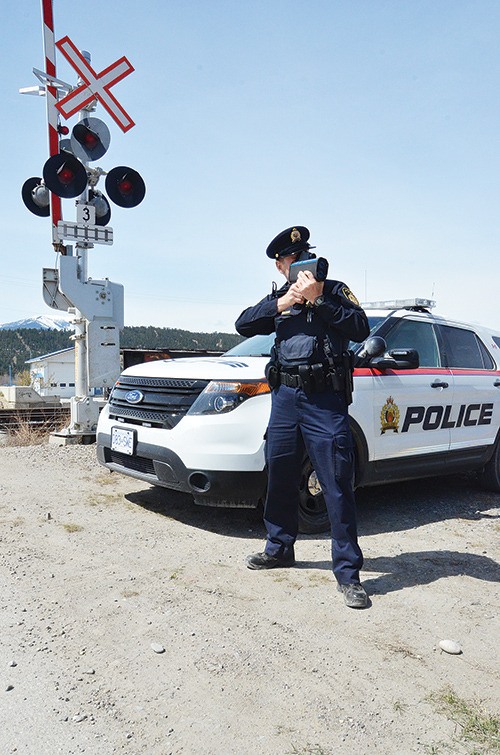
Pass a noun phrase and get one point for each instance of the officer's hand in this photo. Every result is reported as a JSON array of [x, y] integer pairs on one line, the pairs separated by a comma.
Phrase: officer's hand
[[308, 286], [292, 296]]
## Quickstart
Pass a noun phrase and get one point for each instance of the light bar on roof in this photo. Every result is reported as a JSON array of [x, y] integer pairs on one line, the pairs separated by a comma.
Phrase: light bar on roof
[[399, 304]]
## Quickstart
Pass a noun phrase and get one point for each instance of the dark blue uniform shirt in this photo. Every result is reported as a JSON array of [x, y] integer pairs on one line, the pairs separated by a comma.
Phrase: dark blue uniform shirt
[[302, 329]]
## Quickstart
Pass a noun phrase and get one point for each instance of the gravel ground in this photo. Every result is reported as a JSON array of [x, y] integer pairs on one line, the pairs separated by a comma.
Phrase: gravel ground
[[130, 624]]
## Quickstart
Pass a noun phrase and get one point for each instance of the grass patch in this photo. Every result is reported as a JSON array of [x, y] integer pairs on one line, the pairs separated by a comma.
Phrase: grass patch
[[101, 499], [399, 707], [107, 479], [25, 433], [320, 578], [17, 522], [475, 725], [72, 527], [401, 649]]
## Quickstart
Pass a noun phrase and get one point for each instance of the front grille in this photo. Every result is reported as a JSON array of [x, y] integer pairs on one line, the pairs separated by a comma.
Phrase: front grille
[[165, 400], [133, 414], [136, 463]]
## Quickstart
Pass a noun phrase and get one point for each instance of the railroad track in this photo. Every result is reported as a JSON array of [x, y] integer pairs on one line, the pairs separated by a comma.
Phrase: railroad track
[[48, 418]]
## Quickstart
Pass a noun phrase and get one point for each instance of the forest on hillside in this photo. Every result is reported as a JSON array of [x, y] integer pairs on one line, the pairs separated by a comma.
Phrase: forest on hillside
[[16, 346]]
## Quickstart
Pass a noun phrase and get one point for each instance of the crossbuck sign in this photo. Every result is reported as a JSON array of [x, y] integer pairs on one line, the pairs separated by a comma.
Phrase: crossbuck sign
[[95, 86]]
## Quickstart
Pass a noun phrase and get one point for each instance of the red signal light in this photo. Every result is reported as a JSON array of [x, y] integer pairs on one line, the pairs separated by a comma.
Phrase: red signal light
[[85, 136], [125, 186], [90, 139], [64, 130], [66, 175]]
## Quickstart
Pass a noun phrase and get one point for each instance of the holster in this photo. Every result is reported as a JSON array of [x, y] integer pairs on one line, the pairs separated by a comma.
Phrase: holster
[[337, 378], [305, 375], [272, 375]]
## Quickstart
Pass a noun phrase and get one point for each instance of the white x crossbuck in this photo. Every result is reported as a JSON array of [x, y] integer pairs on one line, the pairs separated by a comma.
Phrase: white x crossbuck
[[95, 86]]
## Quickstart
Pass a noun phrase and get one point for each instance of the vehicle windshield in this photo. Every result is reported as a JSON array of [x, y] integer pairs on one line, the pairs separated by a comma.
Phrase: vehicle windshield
[[260, 346], [256, 346]]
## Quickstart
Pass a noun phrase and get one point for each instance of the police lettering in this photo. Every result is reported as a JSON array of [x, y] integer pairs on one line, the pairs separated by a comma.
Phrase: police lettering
[[445, 417]]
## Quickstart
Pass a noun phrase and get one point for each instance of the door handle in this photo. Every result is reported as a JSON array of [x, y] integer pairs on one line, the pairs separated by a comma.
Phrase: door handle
[[497, 383], [439, 384]]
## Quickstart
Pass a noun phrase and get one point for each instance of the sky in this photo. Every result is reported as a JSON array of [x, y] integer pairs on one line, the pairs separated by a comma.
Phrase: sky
[[375, 123]]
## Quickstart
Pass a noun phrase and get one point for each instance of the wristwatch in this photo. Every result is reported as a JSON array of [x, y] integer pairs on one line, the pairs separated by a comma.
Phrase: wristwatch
[[319, 300]]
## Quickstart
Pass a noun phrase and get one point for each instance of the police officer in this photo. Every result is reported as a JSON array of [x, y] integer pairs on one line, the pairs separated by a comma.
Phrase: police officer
[[310, 374]]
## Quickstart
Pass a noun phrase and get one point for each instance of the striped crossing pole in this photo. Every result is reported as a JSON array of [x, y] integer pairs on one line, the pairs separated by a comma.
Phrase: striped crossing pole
[[49, 49]]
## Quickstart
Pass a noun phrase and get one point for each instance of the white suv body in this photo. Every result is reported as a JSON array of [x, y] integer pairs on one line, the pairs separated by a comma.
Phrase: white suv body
[[197, 425]]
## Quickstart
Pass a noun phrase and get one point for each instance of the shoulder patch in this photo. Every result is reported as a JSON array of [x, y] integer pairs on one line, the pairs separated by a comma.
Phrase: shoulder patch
[[349, 295]]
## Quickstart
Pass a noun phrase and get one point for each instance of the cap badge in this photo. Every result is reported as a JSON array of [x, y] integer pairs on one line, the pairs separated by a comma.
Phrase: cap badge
[[295, 235]]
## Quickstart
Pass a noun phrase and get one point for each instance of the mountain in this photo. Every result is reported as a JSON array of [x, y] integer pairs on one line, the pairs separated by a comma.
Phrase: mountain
[[40, 322]]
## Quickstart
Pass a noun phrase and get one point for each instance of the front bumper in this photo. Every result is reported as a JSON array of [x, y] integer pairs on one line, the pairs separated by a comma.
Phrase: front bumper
[[160, 466]]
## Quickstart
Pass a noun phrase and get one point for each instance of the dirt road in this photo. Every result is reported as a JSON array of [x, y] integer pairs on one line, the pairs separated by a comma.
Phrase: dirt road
[[100, 572]]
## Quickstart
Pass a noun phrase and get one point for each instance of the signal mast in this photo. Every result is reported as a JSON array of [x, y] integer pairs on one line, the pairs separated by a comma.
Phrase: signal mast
[[96, 305]]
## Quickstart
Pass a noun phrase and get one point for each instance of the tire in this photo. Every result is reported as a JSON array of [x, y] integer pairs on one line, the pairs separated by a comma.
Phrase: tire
[[489, 477], [313, 517]]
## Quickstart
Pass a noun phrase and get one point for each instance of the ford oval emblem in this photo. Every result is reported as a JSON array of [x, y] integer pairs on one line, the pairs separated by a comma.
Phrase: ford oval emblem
[[134, 397]]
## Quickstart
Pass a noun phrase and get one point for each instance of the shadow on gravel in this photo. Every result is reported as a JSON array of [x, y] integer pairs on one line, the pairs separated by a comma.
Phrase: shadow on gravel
[[424, 567], [388, 508], [245, 523], [418, 568], [385, 508], [409, 505]]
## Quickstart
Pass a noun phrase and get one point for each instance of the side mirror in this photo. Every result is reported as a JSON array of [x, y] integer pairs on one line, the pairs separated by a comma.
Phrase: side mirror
[[397, 359], [374, 346]]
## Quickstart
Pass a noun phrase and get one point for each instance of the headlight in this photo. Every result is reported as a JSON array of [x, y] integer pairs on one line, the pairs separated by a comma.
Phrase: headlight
[[222, 397]]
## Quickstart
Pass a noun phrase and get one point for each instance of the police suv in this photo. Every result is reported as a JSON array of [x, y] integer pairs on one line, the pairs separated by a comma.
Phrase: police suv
[[426, 402]]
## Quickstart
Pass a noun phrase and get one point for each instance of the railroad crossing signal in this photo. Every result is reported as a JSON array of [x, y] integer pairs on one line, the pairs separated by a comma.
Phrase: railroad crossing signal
[[67, 175], [64, 175], [125, 186], [36, 197], [98, 201], [90, 139]]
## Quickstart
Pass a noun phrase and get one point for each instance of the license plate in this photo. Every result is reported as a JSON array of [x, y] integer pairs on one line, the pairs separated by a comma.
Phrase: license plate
[[122, 440]]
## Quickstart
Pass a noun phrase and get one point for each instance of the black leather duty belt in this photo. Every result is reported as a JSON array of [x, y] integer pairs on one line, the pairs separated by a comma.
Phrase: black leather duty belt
[[291, 379], [312, 378]]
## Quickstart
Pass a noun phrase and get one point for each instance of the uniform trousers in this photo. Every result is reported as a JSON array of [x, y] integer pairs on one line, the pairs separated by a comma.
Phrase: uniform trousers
[[318, 423]]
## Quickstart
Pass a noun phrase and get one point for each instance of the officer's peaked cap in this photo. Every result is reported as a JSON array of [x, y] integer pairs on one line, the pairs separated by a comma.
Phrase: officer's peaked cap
[[291, 241]]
